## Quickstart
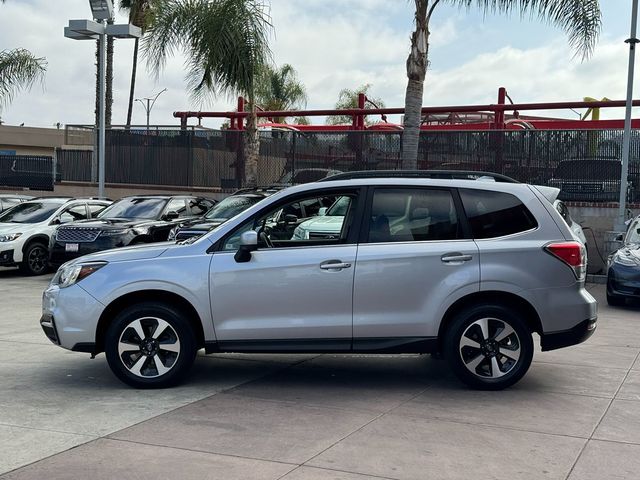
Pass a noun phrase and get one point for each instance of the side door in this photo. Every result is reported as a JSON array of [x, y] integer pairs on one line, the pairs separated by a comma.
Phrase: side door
[[415, 256], [293, 294]]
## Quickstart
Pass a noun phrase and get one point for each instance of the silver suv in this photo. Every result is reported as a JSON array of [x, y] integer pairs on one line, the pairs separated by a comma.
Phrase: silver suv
[[466, 268]]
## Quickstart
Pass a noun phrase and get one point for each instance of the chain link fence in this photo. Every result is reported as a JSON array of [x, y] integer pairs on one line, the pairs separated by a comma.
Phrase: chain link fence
[[27, 171], [584, 164]]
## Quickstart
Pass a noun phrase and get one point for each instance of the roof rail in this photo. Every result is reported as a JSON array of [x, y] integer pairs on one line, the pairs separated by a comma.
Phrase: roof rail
[[443, 174]]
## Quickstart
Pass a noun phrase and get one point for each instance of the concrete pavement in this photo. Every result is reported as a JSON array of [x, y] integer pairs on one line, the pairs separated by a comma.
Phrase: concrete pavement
[[575, 415]]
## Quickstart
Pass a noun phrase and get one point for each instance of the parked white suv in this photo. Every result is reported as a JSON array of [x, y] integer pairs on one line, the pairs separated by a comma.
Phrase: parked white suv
[[26, 228], [467, 268]]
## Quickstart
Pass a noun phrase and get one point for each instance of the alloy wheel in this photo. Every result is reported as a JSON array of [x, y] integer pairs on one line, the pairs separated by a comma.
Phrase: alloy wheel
[[37, 259], [149, 347], [489, 348]]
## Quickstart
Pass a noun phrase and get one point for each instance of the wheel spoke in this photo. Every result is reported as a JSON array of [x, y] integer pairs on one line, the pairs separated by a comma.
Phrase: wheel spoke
[[468, 342], [483, 323], [161, 327], [137, 367], [506, 332], [170, 347], [495, 368], [510, 354], [127, 347], [137, 326], [160, 366], [473, 364]]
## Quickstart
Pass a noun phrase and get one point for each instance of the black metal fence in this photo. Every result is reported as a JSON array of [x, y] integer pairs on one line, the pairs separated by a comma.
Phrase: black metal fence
[[584, 164], [27, 171]]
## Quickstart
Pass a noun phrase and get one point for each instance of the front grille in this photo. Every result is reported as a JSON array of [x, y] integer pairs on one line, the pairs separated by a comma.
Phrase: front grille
[[77, 234]]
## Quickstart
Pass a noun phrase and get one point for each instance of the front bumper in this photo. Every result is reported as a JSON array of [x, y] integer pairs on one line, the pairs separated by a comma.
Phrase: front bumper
[[6, 258], [70, 317], [623, 281], [58, 253], [566, 338]]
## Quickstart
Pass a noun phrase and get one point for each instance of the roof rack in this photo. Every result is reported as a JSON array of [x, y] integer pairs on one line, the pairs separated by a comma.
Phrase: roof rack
[[442, 174]]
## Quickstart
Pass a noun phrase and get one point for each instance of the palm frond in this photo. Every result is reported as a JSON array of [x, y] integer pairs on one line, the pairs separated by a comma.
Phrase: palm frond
[[280, 89], [225, 42], [580, 19], [19, 70]]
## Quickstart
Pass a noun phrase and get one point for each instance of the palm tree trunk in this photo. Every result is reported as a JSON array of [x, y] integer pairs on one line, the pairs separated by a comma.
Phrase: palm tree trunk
[[251, 149], [134, 70], [109, 80], [416, 72]]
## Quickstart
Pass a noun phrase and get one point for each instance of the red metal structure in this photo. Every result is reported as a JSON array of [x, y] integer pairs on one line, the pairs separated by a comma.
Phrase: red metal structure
[[459, 117]]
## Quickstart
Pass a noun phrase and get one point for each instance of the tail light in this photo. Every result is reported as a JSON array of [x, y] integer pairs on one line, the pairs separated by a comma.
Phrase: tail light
[[572, 254]]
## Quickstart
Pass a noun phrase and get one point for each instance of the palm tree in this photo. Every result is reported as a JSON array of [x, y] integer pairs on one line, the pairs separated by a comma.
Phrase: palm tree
[[226, 45], [280, 89], [140, 15], [108, 87], [580, 19], [19, 70], [349, 99]]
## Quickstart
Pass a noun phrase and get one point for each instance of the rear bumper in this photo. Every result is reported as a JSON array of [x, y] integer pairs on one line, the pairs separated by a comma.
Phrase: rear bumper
[[566, 338]]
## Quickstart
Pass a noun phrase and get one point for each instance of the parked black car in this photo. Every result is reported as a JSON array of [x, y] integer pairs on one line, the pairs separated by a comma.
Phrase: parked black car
[[220, 213], [623, 272], [129, 221]]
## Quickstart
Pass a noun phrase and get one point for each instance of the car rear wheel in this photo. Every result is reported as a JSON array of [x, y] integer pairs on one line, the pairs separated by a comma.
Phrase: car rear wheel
[[150, 345], [35, 260], [489, 347]]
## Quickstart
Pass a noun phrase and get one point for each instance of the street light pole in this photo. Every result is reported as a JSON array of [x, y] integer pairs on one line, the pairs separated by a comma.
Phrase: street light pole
[[150, 102], [626, 141], [102, 63]]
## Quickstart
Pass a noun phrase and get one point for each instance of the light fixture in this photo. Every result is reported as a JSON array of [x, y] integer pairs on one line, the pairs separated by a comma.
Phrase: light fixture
[[101, 9], [125, 30], [86, 27]]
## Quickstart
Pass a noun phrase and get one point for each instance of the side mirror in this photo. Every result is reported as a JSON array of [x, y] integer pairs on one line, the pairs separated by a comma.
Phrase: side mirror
[[248, 243], [322, 212], [172, 215], [55, 221], [289, 218], [619, 238]]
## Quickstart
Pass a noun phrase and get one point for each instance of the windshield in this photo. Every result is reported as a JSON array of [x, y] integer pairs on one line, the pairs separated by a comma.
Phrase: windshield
[[147, 208], [29, 212], [339, 207], [231, 206], [634, 233]]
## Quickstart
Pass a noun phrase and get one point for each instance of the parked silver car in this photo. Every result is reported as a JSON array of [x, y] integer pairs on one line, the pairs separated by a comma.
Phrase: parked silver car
[[468, 268]]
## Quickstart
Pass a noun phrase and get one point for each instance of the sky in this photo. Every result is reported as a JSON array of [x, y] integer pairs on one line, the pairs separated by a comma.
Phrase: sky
[[333, 44]]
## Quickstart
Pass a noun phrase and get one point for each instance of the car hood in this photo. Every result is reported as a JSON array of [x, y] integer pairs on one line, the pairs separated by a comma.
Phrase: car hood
[[112, 223], [13, 227], [323, 224], [137, 252]]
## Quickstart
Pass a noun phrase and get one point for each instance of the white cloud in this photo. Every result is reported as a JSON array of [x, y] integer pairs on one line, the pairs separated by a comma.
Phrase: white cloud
[[332, 43]]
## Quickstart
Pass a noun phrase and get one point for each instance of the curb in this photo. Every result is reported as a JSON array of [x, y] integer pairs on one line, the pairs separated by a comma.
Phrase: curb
[[598, 279]]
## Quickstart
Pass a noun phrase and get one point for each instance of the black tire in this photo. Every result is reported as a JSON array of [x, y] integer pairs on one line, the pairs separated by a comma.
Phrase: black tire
[[512, 354], [35, 260], [177, 334]]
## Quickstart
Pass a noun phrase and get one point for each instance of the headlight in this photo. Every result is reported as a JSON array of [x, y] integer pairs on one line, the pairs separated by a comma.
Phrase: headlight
[[172, 234], [9, 237], [119, 231], [625, 260], [72, 274]]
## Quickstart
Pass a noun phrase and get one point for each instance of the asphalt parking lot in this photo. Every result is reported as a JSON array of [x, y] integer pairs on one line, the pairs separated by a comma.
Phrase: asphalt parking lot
[[575, 415]]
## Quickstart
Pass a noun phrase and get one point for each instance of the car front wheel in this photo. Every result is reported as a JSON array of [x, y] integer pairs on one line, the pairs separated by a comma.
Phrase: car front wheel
[[489, 347], [150, 345], [35, 260]]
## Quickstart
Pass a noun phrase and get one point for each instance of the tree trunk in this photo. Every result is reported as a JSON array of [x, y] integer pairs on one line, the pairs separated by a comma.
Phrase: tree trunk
[[134, 70], [109, 80], [251, 149], [416, 72]]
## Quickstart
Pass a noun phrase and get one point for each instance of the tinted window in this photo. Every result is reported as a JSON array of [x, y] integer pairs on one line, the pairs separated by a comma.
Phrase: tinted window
[[495, 214], [30, 212], [232, 206], [77, 212], [412, 215], [147, 208], [179, 206], [199, 206], [95, 209]]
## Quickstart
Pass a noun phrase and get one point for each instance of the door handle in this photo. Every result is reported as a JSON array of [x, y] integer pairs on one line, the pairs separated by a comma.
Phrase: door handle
[[455, 257], [334, 265]]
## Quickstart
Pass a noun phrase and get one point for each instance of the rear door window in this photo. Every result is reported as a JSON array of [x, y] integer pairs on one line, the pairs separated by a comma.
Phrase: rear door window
[[496, 214]]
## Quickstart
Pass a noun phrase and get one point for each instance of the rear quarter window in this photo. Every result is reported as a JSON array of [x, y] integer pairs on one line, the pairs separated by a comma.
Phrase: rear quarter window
[[496, 214]]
